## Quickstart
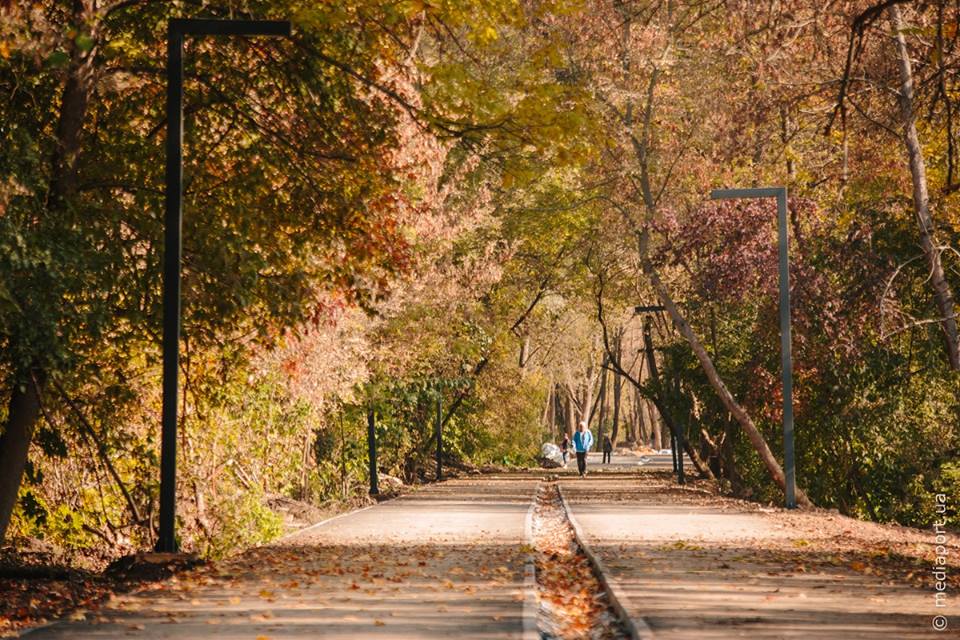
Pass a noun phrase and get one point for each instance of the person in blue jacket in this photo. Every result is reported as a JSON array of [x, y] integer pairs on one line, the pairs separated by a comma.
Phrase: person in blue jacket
[[582, 442]]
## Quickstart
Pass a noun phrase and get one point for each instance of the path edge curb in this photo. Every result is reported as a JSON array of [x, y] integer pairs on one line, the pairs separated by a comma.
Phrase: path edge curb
[[317, 525], [530, 604], [637, 628]]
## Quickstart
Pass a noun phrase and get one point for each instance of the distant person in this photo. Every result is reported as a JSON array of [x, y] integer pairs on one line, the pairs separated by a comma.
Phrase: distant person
[[582, 442], [564, 448], [607, 449]]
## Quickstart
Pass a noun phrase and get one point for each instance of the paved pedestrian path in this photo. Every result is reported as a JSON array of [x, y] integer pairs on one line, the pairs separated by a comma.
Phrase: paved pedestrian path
[[447, 561], [624, 462], [696, 567]]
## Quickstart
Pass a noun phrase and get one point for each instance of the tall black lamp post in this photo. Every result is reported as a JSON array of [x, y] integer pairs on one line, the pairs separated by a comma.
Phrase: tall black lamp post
[[177, 29], [372, 451], [439, 435], [676, 431]]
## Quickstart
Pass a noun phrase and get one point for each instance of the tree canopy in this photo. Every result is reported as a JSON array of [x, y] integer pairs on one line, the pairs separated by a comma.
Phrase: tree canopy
[[464, 201]]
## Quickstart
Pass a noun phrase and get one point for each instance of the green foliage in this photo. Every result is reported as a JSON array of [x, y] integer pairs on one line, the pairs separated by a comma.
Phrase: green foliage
[[875, 416], [461, 172], [242, 521]]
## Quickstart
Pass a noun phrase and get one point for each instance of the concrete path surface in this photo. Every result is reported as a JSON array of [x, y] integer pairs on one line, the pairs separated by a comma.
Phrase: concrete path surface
[[624, 463], [695, 570], [446, 561]]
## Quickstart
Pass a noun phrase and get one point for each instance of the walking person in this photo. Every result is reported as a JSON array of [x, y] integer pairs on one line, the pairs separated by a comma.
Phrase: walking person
[[564, 448], [607, 449], [582, 442]]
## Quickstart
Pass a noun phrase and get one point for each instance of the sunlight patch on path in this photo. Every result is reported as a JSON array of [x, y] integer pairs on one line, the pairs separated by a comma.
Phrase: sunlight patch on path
[[447, 561]]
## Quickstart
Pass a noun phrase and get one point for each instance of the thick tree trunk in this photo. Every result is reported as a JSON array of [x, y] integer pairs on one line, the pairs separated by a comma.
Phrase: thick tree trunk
[[702, 467], [24, 409], [942, 294]]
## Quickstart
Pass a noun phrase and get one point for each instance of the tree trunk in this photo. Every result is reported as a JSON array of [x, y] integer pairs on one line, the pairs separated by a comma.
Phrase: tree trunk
[[547, 419], [656, 425], [636, 418], [602, 417], [664, 428], [304, 466], [727, 453], [558, 410], [921, 200], [570, 417], [24, 409], [617, 390], [653, 424], [656, 429], [587, 405], [639, 419]]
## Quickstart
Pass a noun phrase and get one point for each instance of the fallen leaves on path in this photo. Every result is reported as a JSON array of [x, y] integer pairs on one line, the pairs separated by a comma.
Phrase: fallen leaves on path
[[573, 604]]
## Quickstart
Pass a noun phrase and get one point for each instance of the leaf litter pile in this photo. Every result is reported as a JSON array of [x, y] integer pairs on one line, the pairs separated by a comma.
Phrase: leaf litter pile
[[573, 603]]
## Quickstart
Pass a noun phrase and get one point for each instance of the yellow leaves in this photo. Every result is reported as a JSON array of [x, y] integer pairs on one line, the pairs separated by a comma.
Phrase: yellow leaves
[[487, 35], [682, 545], [4, 49], [412, 8]]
